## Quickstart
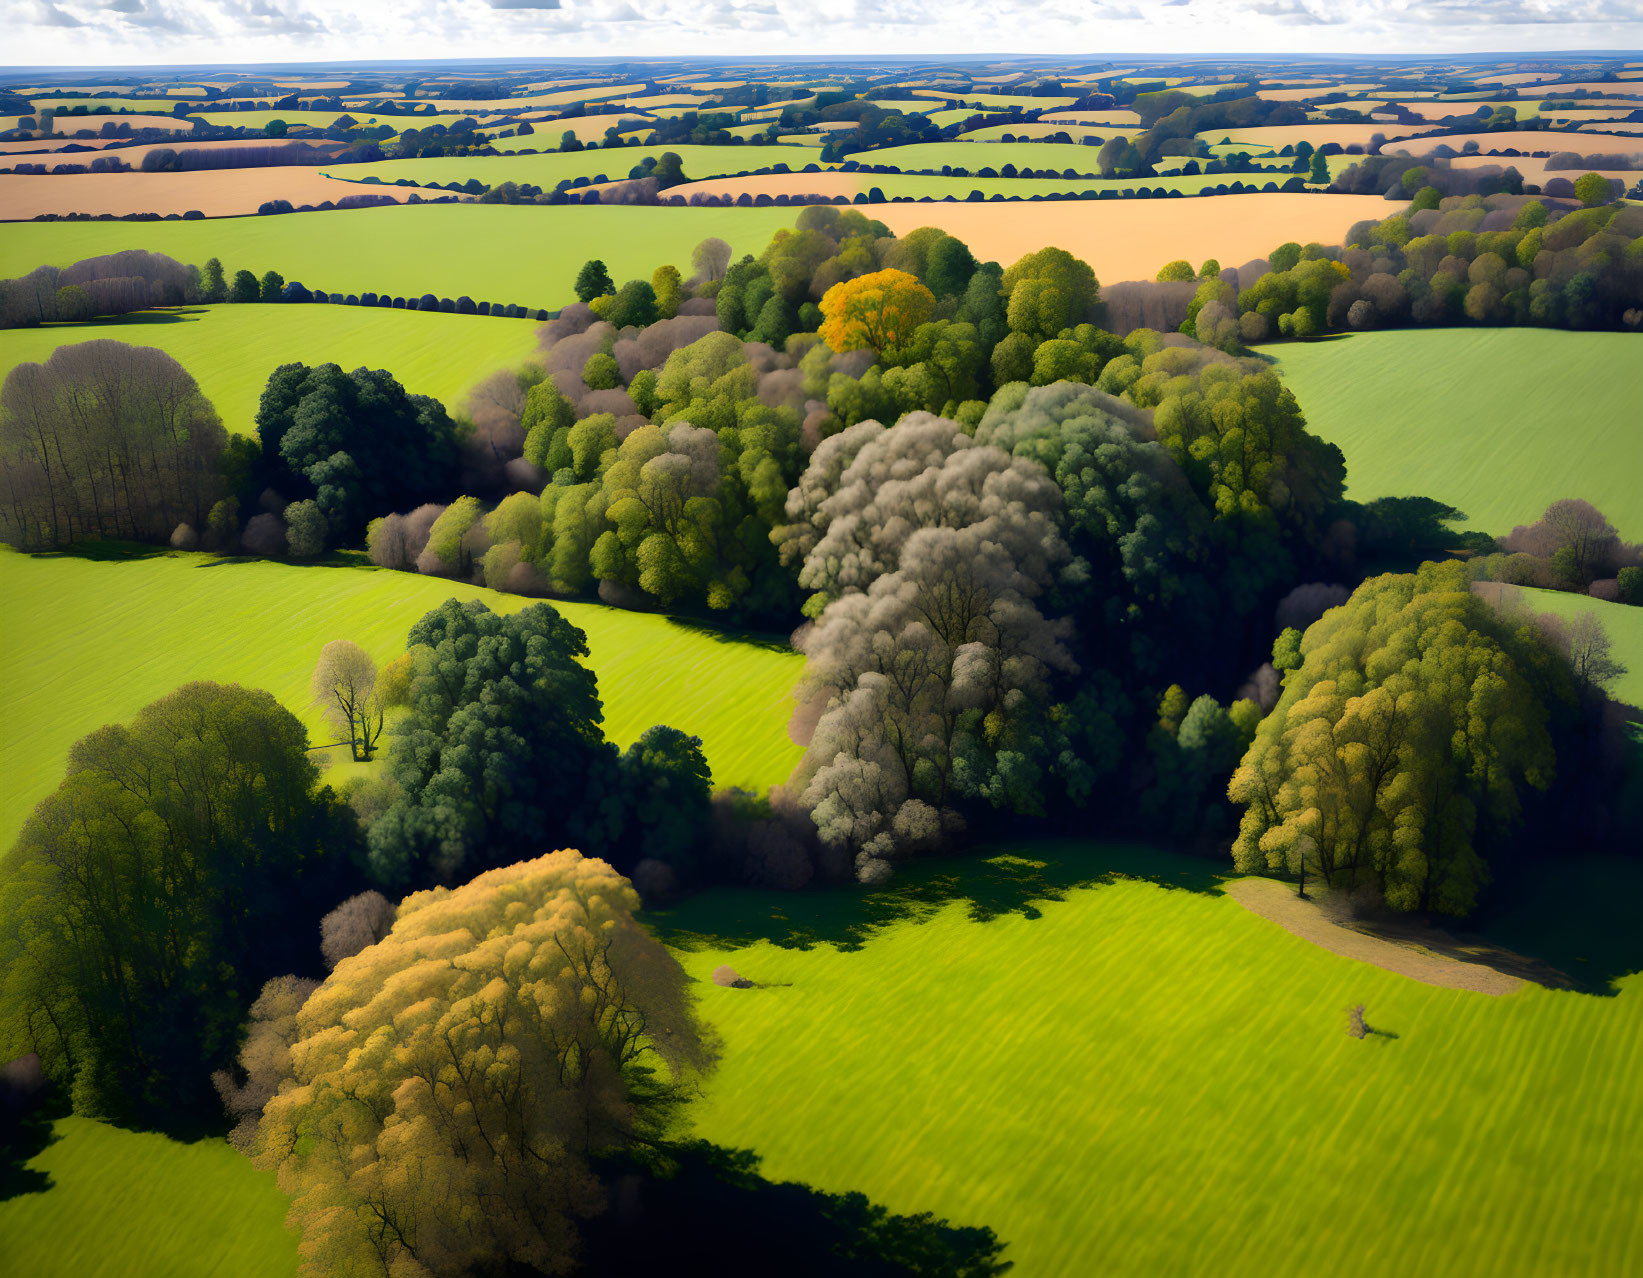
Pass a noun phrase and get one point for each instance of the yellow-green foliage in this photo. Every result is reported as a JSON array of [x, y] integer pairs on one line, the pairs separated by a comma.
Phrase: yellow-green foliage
[[93, 642]]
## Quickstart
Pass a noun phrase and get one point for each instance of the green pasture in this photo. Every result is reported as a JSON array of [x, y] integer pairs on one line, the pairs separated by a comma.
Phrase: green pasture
[[522, 253], [974, 155], [1623, 623], [998, 101], [92, 642], [551, 168], [231, 350], [1038, 129], [117, 106], [1146, 1079], [917, 186], [159, 1207], [1500, 422], [1165, 1087]]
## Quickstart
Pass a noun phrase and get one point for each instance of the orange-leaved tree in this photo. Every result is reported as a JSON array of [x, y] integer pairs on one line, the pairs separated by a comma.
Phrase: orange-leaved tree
[[880, 310], [449, 1084]]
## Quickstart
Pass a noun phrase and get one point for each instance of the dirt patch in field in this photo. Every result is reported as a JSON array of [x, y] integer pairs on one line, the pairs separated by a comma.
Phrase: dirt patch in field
[[1131, 239], [214, 192], [801, 727], [1408, 948]]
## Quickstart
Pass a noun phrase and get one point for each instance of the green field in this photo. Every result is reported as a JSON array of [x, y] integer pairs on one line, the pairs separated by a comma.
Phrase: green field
[[321, 119], [551, 168], [159, 1207], [1165, 1087], [1059, 156], [1500, 422], [918, 186], [1622, 622], [92, 642], [522, 253], [231, 350]]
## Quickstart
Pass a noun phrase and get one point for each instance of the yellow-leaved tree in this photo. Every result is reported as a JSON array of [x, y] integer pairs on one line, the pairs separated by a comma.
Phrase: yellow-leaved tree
[[451, 1082], [879, 310]]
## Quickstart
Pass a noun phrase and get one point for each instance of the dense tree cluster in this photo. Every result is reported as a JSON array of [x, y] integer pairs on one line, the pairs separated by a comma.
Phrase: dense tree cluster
[[183, 861], [1399, 754], [114, 284], [353, 443], [449, 1087], [502, 752], [105, 440]]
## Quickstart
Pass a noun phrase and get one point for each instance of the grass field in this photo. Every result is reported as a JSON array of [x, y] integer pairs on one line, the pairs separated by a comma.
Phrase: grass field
[[92, 642], [992, 155], [231, 350], [160, 1207], [1166, 1088], [551, 168], [1500, 422], [1622, 622], [924, 187], [521, 253]]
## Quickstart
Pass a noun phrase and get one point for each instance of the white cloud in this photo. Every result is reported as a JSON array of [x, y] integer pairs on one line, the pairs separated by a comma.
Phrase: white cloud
[[89, 32]]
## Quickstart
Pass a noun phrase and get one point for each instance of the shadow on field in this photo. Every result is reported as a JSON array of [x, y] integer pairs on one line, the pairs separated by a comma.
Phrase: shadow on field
[[711, 1212], [1002, 879], [137, 319], [28, 1110], [727, 634], [1580, 915], [105, 551]]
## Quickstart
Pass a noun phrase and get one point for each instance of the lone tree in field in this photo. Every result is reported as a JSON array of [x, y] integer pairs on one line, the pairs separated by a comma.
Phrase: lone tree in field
[[451, 1083], [344, 688], [593, 280]]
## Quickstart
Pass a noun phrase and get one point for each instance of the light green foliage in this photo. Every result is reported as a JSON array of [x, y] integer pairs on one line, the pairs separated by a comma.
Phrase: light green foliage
[[1407, 736], [99, 640], [1476, 436], [1175, 271]]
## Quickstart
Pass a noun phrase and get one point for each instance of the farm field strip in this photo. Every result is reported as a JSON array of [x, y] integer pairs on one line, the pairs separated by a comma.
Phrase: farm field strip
[[100, 640], [525, 254], [549, 168], [214, 192]]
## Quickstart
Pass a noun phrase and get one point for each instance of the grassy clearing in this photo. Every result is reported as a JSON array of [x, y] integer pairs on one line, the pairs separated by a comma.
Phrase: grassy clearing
[[160, 1207], [1622, 622], [550, 168], [1500, 422], [521, 253], [1146, 1082], [231, 350], [92, 642]]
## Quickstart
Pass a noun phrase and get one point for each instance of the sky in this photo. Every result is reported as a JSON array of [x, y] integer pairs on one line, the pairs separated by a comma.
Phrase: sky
[[133, 32]]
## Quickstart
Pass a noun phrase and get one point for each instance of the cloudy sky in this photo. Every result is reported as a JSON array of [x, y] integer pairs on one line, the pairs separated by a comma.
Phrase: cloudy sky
[[108, 32]]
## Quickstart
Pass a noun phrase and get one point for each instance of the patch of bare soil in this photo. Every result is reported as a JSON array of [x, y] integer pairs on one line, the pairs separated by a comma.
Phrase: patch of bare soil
[[1407, 947], [806, 715]]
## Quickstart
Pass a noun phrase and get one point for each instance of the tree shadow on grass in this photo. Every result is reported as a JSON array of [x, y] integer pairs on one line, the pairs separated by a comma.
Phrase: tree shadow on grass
[[137, 319], [105, 551], [704, 1209], [1001, 879], [28, 1117], [1580, 915]]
